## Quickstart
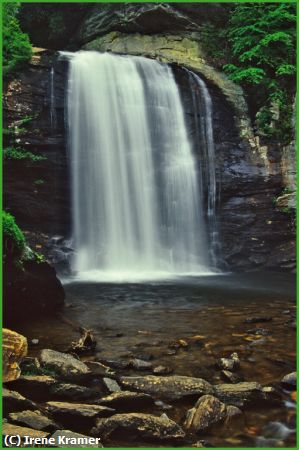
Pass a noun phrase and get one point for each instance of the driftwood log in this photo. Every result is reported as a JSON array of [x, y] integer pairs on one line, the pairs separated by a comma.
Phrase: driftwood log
[[86, 343], [15, 348]]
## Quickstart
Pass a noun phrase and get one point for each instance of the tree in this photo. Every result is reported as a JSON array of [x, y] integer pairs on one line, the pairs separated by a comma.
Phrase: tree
[[17, 49], [262, 38]]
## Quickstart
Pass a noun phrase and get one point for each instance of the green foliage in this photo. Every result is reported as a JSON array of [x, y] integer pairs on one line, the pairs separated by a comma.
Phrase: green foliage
[[39, 258], [19, 154], [287, 190], [13, 239], [250, 75], [286, 210], [39, 182], [260, 48], [17, 49], [39, 371], [216, 48], [27, 119], [11, 132], [31, 255]]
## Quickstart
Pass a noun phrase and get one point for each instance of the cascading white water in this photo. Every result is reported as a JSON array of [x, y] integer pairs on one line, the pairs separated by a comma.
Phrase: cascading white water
[[53, 118], [137, 200], [203, 111]]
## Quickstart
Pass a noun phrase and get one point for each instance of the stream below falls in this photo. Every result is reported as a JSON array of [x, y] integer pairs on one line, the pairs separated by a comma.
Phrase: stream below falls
[[136, 320]]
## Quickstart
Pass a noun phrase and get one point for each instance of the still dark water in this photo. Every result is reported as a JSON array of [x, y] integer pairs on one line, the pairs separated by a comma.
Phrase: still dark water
[[132, 319]]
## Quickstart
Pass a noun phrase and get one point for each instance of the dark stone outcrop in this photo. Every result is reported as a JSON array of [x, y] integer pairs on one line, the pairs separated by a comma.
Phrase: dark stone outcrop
[[148, 18], [37, 193], [30, 290]]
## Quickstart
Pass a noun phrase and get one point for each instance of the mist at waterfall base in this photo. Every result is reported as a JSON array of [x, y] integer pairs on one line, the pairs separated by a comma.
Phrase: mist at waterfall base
[[138, 190]]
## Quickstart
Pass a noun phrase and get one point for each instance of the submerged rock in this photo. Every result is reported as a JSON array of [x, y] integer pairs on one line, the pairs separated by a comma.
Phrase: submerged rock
[[258, 331], [207, 411], [143, 426], [162, 370], [117, 364], [15, 348], [170, 387], [229, 376], [140, 364], [33, 419], [258, 319], [66, 366]]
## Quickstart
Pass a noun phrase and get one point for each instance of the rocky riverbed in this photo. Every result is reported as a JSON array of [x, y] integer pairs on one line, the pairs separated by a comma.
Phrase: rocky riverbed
[[172, 367]]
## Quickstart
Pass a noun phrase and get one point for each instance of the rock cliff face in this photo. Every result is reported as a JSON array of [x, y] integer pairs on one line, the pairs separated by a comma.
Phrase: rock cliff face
[[254, 232], [37, 192]]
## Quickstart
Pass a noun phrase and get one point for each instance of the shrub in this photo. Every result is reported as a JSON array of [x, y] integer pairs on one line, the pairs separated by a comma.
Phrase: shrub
[[13, 239], [17, 49], [18, 154]]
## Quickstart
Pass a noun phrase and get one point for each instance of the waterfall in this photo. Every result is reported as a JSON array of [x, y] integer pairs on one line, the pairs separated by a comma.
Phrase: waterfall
[[137, 199], [203, 112], [53, 118]]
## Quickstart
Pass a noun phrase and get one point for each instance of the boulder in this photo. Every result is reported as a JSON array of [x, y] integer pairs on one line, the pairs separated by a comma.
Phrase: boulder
[[36, 387], [127, 400], [9, 429], [244, 393], [65, 365], [24, 292], [15, 348], [143, 426], [13, 401], [33, 419], [111, 385], [80, 410], [73, 392], [290, 380], [98, 368], [207, 411], [172, 387]]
